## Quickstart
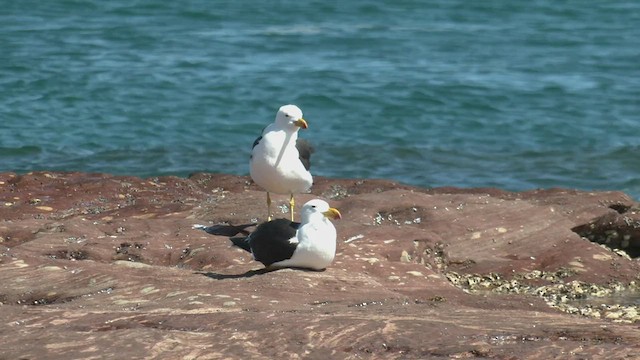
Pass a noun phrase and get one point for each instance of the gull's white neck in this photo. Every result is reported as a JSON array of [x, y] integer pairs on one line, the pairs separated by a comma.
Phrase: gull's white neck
[[289, 135]]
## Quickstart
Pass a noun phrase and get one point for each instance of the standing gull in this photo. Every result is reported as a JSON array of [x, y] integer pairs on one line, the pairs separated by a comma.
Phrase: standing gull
[[282, 243], [279, 161]]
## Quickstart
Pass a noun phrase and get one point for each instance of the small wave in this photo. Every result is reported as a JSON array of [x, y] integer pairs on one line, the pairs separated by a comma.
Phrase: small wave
[[20, 151]]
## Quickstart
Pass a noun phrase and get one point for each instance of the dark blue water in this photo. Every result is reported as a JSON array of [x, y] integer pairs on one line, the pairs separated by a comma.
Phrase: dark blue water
[[516, 95]]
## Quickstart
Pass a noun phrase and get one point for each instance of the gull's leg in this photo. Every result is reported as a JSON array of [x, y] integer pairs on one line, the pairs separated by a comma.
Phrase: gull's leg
[[268, 207], [291, 205]]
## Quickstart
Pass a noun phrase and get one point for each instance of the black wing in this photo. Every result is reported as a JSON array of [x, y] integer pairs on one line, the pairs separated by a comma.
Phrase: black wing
[[270, 242], [254, 145], [256, 141], [225, 229], [305, 150]]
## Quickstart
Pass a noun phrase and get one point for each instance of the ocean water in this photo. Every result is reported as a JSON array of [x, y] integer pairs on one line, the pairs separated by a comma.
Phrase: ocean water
[[515, 95]]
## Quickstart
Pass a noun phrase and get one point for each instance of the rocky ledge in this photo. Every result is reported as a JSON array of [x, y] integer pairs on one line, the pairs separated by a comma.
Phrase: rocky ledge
[[96, 266]]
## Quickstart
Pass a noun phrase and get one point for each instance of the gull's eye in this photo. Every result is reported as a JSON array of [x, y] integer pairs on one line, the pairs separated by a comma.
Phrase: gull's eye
[[313, 206], [287, 115]]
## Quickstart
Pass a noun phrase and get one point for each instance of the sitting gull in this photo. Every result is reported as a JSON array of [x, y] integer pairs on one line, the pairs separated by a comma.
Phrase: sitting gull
[[310, 244], [279, 160]]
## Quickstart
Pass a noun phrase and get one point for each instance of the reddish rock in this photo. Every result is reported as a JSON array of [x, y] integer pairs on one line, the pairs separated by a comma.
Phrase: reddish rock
[[100, 266]]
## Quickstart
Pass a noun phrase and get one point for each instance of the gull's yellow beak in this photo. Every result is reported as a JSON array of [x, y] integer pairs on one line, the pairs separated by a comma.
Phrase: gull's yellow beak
[[301, 123], [333, 213]]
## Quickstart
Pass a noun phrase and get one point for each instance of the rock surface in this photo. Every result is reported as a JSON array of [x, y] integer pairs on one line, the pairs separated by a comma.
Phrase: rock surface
[[95, 266]]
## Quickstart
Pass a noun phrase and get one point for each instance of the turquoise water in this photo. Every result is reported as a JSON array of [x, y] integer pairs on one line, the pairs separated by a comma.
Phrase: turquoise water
[[516, 95]]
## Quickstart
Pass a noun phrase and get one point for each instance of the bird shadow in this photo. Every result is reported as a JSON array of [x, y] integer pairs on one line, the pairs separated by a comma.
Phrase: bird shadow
[[248, 274], [251, 273]]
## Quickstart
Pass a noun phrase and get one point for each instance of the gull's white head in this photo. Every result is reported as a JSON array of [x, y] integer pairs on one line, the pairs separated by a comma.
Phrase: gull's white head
[[290, 116], [318, 210]]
